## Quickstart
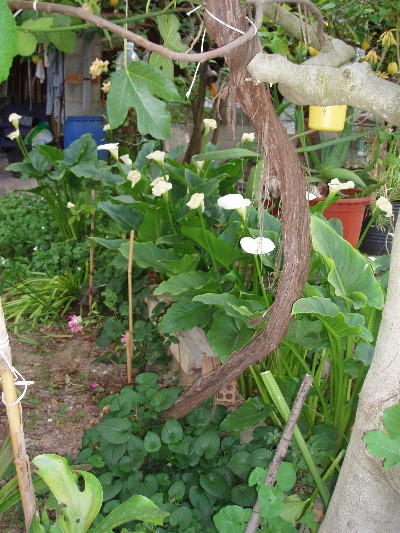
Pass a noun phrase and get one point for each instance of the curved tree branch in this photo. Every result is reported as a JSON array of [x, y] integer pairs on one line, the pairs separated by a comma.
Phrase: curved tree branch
[[309, 84], [100, 22], [256, 103]]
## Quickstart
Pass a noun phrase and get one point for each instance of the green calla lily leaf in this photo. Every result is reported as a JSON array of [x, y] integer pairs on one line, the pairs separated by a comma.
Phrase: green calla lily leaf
[[350, 274]]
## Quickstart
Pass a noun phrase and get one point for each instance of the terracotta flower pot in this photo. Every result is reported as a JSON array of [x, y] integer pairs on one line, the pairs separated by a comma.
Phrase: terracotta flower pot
[[330, 118], [350, 211]]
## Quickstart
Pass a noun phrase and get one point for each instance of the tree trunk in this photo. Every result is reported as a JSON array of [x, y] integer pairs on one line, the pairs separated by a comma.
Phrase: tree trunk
[[367, 496], [283, 163]]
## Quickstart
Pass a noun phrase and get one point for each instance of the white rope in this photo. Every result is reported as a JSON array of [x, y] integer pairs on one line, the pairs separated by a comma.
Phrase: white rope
[[18, 377], [18, 12], [193, 10], [35, 4], [197, 67], [223, 23]]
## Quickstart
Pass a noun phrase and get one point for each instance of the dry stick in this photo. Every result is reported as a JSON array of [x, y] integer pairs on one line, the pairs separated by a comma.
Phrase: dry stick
[[14, 415], [281, 449], [91, 256], [129, 333]]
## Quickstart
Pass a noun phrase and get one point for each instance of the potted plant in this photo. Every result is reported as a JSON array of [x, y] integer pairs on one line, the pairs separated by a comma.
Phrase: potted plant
[[344, 193], [380, 223]]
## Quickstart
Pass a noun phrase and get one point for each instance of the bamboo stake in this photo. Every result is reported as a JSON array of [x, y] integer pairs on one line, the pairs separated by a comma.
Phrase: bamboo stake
[[281, 449], [14, 415], [129, 333], [91, 257]]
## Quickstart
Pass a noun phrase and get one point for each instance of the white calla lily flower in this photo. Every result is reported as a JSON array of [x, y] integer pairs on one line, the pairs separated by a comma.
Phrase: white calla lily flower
[[14, 118], [13, 135], [196, 201], [158, 156], [385, 206], [336, 185], [233, 201], [134, 177], [310, 196], [258, 246], [70, 205], [126, 159], [111, 147], [210, 123], [161, 188]]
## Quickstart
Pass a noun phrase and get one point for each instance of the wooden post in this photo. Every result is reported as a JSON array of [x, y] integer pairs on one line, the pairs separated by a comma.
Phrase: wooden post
[[14, 415], [129, 333], [91, 256]]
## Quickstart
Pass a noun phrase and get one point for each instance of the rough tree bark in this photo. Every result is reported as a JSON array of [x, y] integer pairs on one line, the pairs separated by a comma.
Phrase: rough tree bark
[[366, 498], [256, 103]]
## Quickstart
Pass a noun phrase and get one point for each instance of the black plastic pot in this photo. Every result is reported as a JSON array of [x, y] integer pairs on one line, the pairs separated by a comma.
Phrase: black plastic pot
[[379, 241]]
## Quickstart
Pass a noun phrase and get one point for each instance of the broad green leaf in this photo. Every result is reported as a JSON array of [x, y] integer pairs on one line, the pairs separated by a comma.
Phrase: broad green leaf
[[232, 519], [124, 215], [8, 39], [184, 282], [172, 432], [26, 43], [293, 507], [239, 464], [114, 430], [386, 444], [164, 398], [271, 502], [244, 495], [232, 305], [230, 153], [177, 490], [37, 25], [148, 255], [182, 517], [252, 412], [286, 476], [168, 26], [183, 315], [223, 252], [139, 87], [350, 274], [187, 263], [83, 150], [364, 352], [153, 225], [336, 322], [215, 484], [111, 486], [207, 444], [78, 507], [380, 444], [65, 41], [227, 335], [152, 442], [136, 508]]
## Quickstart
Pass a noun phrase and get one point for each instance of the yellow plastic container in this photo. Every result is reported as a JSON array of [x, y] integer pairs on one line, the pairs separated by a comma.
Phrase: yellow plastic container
[[330, 118]]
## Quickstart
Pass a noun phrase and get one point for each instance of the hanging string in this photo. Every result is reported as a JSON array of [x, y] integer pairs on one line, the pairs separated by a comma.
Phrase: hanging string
[[18, 377]]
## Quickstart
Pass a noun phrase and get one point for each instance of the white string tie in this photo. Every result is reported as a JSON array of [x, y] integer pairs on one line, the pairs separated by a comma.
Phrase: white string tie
[[18, 377], [18, 12], [197, 67], [193, 10], [35, 4]]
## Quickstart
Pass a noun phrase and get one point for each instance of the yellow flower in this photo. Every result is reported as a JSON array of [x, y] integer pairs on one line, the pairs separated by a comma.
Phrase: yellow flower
[[98, 67], [106, 86], [387, 39], [383, 75], [372, 57]]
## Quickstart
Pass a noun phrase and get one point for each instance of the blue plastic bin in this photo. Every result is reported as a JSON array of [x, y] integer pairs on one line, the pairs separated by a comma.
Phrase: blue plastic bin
[[75, 127]]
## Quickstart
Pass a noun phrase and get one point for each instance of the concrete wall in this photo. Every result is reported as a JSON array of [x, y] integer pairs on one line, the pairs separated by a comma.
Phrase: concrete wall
[[82, 95]]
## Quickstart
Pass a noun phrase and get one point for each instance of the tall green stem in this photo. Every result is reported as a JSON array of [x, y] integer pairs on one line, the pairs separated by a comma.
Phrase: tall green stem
[[169, 212], [370, 222], [283, 408], [203, 227], [260, 279]]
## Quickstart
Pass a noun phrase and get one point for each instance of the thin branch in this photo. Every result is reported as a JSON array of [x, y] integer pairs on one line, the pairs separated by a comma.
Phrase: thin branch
[[306, 3], [281, 449], [100, 22]]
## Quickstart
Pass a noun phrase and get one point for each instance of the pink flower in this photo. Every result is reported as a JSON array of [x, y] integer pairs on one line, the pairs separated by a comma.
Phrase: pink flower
[[94, 385], [123, 339], [73, 324]]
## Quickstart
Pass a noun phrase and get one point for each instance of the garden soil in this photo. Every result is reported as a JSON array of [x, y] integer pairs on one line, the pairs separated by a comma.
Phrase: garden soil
[[63, 402]]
